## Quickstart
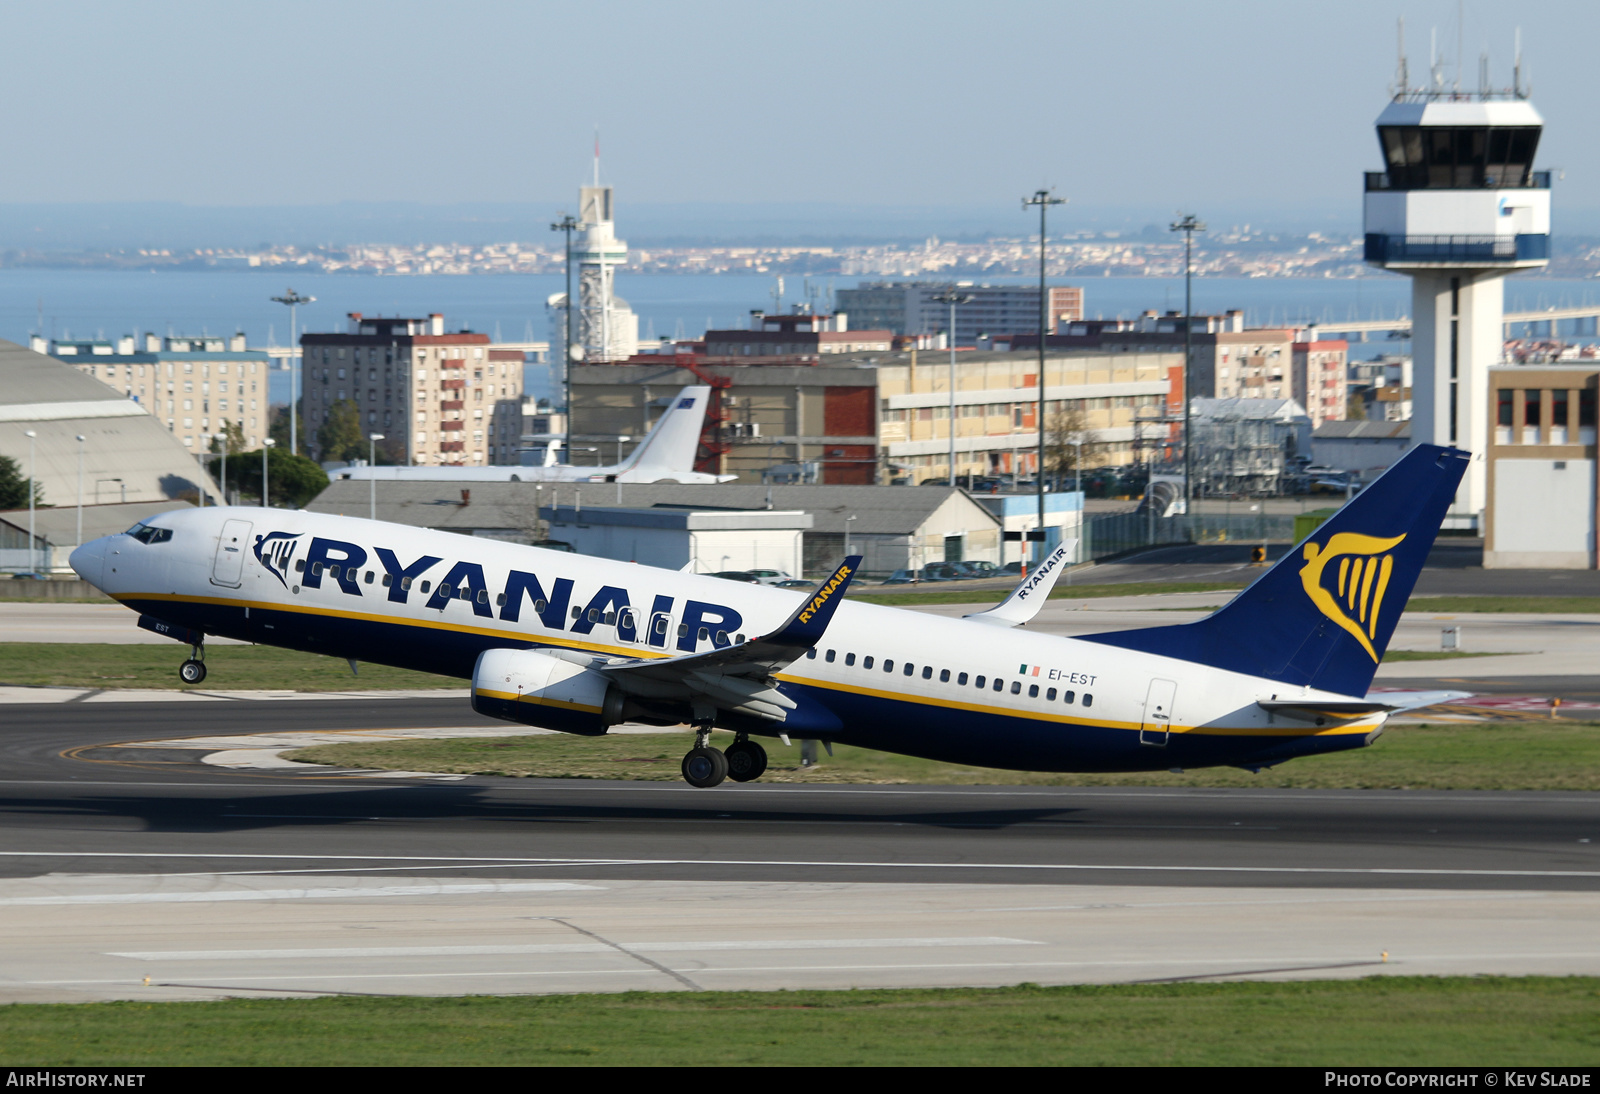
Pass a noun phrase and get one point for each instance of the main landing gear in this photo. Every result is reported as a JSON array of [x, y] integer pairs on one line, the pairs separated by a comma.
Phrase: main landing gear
[[705, 766], [193, 670]]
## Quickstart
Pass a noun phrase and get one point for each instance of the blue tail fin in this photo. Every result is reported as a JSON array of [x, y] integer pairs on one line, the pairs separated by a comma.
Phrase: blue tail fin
[[1323, 615]]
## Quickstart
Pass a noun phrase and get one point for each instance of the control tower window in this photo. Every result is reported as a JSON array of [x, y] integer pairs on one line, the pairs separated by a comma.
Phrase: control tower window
[[1458, 158]]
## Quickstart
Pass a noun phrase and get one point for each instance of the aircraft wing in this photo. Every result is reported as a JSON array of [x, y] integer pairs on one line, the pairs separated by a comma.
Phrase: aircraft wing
[[740, 678], [1031, 592]]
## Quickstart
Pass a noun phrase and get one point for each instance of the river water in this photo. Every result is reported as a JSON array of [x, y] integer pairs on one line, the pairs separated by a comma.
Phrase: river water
[[107, 303]]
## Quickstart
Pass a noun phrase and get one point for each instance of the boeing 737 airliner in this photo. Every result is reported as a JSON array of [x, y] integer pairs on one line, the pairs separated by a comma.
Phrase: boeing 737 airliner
[[580, 644]]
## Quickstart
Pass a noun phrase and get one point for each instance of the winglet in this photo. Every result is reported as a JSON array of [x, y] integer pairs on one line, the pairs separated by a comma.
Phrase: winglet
[[806, 625], [1030, 594]]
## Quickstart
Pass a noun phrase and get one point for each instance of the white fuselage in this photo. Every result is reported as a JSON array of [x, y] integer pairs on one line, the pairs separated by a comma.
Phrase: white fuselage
[[897, 679]]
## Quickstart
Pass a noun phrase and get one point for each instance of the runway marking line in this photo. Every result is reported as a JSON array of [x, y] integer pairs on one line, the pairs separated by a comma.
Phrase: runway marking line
[[685, 946], [509, 863]]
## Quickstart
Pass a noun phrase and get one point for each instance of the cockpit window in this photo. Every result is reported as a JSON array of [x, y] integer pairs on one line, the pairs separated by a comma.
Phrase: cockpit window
[[146, 533]]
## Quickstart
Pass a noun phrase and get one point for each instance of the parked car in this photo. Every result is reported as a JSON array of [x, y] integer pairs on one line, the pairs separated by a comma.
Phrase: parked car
[[797, 583], [736, 575], [978, 568], [770, 577]]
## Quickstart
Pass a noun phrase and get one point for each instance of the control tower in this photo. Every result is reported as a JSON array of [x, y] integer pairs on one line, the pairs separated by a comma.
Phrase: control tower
[[1458, 208]]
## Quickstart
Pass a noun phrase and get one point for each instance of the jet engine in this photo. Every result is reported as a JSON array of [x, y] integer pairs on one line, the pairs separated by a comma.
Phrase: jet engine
[[541, 689]]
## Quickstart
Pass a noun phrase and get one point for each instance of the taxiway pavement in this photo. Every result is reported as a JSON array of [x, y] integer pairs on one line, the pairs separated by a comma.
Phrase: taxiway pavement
[[133, 869]]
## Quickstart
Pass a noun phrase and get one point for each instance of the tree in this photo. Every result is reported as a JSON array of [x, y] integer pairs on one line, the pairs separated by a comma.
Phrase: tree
[[14, 486], [278, 429], [292, 480], [1066, 434], [340, 437], [234, 431]]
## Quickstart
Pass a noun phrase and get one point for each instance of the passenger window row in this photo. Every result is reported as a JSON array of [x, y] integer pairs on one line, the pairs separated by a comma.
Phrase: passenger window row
[[980, 682]]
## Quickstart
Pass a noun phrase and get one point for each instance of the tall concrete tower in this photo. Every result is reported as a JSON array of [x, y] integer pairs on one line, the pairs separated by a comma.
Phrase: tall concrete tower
[[607, 328], [1458, 208]]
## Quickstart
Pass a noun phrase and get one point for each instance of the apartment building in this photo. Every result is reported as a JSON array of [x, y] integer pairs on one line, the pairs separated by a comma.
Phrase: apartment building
[[1319, 379], [1227, 359], [861, 419], [194, 385], [793, 339], [437, 397], [910, 307]]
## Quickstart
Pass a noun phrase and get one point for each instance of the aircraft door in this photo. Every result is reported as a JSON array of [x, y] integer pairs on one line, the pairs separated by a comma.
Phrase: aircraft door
[[228, 567], [1156, 726]]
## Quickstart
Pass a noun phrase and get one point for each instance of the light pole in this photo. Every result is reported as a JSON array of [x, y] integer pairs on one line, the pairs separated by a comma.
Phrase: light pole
[[1188, 225], [622, 439], [79, 540], [372, 473], [33, 559], [847, 521], [568, 223], [294, 300], [1043, 199], [265, 496], [223, 437], [951, 297]]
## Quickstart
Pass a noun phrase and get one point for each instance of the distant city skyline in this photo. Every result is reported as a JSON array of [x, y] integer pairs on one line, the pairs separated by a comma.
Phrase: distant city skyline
[[803, 120]]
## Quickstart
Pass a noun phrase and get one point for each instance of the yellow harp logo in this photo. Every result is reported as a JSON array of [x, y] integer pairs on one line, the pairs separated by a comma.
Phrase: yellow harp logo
[[1364, 568]]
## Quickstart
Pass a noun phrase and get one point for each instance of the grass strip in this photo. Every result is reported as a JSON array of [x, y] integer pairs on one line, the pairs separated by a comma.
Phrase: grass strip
[[1376, 1021], [231, 668], [1555, 754]]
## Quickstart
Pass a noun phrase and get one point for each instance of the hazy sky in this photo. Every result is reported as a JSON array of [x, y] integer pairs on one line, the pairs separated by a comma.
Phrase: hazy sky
[[1227, 108]]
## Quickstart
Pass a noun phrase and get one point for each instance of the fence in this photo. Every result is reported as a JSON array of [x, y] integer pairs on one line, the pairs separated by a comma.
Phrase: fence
[[1120, 532]]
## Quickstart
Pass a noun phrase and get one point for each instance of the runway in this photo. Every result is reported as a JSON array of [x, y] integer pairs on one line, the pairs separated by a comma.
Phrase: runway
[[258, 882]]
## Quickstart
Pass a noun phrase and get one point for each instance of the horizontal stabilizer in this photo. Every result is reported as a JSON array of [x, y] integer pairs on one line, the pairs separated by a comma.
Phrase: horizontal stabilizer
[[1031, 592], [1321, 712]]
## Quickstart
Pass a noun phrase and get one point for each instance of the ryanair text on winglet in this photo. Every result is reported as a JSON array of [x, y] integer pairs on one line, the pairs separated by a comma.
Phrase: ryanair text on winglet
[[1041, 571], [839, 578]]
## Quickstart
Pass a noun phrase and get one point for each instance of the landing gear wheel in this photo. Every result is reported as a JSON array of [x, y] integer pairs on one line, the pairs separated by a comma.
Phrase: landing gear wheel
[[704, 766], [192, 671], [746, 761]]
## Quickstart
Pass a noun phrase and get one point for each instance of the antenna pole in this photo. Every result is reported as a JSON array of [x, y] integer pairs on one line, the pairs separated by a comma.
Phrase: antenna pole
[[1043, 199], [1403, 77]]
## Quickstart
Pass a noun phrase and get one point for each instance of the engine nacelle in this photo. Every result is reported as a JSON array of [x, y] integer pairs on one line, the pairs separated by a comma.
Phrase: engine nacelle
[[538, 689]]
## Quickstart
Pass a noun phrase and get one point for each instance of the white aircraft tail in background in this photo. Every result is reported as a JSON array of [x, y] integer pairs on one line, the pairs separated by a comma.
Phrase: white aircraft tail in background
[[666, 454]]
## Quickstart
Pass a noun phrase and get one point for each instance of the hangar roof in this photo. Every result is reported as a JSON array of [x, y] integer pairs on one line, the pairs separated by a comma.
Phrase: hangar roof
[[123, 447]]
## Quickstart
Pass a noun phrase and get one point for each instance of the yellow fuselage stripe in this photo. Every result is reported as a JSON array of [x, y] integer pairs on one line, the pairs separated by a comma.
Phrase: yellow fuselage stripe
[[563, 642]]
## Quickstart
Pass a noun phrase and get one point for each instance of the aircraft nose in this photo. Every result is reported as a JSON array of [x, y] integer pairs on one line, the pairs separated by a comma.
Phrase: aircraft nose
[[89, 561]]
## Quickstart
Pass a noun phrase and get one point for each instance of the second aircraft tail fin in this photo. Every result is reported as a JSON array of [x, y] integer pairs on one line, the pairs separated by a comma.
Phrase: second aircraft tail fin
[[672, 443]]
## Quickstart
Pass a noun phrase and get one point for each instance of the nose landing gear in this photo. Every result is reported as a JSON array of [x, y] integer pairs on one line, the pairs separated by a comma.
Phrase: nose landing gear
[[193, 670]]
